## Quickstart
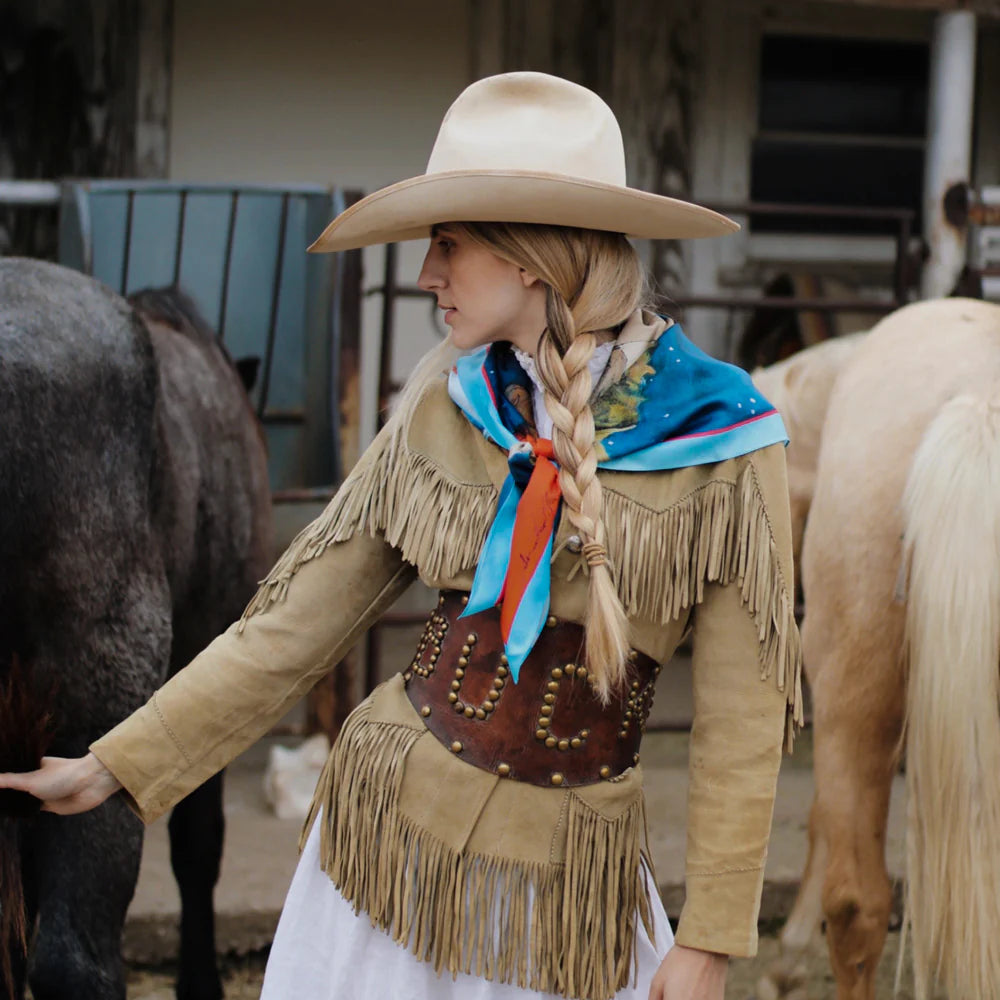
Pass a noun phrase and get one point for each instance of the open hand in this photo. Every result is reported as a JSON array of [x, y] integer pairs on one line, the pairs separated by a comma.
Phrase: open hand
[[690, 974], [66, 785]]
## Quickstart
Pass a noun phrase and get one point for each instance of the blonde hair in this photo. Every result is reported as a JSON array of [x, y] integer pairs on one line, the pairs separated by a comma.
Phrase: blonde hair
[[593, 282]]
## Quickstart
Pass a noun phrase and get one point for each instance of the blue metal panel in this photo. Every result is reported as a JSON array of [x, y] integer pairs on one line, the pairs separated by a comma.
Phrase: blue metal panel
[[239, 252]]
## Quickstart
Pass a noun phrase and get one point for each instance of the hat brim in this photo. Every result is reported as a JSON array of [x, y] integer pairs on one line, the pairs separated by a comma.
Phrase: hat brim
[[407, 210]]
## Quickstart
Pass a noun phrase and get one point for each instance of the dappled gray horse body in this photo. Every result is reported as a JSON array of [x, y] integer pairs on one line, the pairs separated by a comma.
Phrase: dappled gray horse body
[[134, 522]]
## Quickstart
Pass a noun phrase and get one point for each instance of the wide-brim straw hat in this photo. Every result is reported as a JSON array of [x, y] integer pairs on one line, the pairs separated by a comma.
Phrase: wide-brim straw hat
[[522, 147]]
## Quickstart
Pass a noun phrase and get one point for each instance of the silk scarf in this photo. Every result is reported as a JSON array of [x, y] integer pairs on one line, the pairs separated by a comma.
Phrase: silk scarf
[[660, 405]]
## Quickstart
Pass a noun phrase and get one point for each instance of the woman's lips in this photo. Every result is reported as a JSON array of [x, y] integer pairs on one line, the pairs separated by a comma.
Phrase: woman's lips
[[449, 314]]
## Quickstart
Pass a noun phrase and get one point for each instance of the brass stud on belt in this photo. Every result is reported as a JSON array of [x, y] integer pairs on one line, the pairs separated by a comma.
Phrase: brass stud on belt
[[569, 669], [472, 638], [504, 662], [425, 711], [557, 673], [456, 685], [469, 711], [466, 649], [581, 672], [605, 772], [502, 671], [553, 686], [465, 598], [552, 621], [480, 713], [584, 733], [540, 734], [544, 723], [576, 743], [452, 697], [503, 770], [459, 672], [556, 778], [463, 661], [460, 706], [546, 709], [550, 741], [563, 744], [456, 747], [488, 706], [493, 695], [549, 698]]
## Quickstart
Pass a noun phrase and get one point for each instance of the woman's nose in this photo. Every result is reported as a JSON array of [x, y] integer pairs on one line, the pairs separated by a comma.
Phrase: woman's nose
[[431, 276]]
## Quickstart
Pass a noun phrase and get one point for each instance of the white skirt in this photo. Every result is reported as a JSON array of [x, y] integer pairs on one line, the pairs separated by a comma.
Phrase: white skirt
[[322, 950]]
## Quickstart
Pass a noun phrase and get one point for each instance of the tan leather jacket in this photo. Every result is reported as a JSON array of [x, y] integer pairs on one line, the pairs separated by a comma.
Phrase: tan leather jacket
[[706, 547]]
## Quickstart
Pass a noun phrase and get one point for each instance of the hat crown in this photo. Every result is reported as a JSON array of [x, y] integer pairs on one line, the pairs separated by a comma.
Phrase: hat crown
[[530, 122]]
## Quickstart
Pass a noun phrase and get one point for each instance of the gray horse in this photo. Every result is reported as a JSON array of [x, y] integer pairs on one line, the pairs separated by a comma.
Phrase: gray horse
[[134, 522]]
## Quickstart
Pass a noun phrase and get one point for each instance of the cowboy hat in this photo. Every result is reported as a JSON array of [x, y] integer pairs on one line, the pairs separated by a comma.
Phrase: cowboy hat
[[521, 147]]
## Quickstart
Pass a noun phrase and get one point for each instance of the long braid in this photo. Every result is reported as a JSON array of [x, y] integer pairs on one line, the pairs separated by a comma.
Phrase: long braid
[[567, 382], [593, 281]]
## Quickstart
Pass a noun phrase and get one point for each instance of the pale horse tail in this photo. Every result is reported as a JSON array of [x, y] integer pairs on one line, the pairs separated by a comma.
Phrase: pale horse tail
[[951, 514]]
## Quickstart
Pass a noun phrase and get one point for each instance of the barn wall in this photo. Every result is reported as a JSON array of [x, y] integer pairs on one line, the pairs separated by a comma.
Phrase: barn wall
[[326, 91]]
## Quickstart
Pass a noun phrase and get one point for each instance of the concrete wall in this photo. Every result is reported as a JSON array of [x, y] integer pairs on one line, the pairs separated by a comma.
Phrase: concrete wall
[[324, 91]]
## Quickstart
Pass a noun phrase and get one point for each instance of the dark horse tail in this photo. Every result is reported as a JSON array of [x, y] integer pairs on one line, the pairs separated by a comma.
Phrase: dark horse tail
[[25, 734]]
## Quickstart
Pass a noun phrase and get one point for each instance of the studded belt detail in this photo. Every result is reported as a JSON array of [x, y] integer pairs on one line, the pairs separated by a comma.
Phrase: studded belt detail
[[547, 729]]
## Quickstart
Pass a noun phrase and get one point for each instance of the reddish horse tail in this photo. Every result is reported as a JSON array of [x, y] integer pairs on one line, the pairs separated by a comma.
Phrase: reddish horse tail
[[951, 511], [25, 733]]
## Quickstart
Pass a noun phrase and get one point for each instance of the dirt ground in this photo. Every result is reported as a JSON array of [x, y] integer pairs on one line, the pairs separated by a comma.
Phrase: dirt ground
[[243, 977]]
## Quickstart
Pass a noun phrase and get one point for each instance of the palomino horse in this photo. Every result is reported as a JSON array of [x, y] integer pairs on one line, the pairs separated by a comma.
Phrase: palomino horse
[[799, 387], [901, 638], [134, 523]]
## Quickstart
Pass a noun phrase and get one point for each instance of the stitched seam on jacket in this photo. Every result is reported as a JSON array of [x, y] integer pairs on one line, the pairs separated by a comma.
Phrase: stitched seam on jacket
[[301, 679], [173, 736], [558, 827], [446, 474], [770, 527], [726, 871]]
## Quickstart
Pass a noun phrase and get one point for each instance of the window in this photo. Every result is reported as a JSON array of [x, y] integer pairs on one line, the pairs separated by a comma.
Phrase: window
[[841, 123]]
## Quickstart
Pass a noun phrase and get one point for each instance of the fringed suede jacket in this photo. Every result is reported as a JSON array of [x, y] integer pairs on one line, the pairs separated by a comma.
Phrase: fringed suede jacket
[[475, 872]]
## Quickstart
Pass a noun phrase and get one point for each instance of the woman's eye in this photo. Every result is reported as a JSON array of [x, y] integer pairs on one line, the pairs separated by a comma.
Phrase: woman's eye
[[445, 245]]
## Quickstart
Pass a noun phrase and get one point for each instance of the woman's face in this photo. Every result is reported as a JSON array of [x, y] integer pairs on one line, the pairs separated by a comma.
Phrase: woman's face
[[485, 298]]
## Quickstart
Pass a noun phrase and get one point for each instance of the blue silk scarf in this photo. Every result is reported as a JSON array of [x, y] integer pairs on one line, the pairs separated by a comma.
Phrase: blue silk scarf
[[672, 407]]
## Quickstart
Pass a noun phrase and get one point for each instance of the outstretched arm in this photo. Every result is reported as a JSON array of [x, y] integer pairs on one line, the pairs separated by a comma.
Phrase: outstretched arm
[[233, 691]]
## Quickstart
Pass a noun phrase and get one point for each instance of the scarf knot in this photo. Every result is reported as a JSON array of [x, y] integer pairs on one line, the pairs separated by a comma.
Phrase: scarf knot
[[661, 404]]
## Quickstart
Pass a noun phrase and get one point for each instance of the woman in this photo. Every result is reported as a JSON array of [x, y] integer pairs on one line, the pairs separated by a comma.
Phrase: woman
[[583, 488]]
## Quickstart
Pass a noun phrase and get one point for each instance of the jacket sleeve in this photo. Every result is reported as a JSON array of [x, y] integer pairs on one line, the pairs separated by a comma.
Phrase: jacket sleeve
[[244, 681], [743, 701]]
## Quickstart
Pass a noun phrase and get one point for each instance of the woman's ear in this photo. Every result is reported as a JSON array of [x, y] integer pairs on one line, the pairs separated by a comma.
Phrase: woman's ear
[[527, 277]]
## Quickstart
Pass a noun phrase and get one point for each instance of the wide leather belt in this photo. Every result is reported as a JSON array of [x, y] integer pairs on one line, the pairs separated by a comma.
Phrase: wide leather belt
[[547, 729]]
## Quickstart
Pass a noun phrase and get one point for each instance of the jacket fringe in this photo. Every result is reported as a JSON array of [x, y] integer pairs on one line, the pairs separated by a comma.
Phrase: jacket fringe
[[717, 534], [566, 928]]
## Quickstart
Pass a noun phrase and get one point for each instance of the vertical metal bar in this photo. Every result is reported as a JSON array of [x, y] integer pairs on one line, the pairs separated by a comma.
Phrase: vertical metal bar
[[130, 204], [234, 196], [901, 272], [275, 298], [388, 324], [180, 238], [948, 162]]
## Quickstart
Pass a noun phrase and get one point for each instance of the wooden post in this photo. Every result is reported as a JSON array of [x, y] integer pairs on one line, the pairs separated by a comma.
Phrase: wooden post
[[639, 56], [152, 126]]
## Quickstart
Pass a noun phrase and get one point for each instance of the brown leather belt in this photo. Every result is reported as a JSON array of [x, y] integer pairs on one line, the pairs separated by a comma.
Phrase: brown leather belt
[[547, 729]]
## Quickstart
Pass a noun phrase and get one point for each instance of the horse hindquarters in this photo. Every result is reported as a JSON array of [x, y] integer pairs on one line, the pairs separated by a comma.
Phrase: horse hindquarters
[[951, 511]]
